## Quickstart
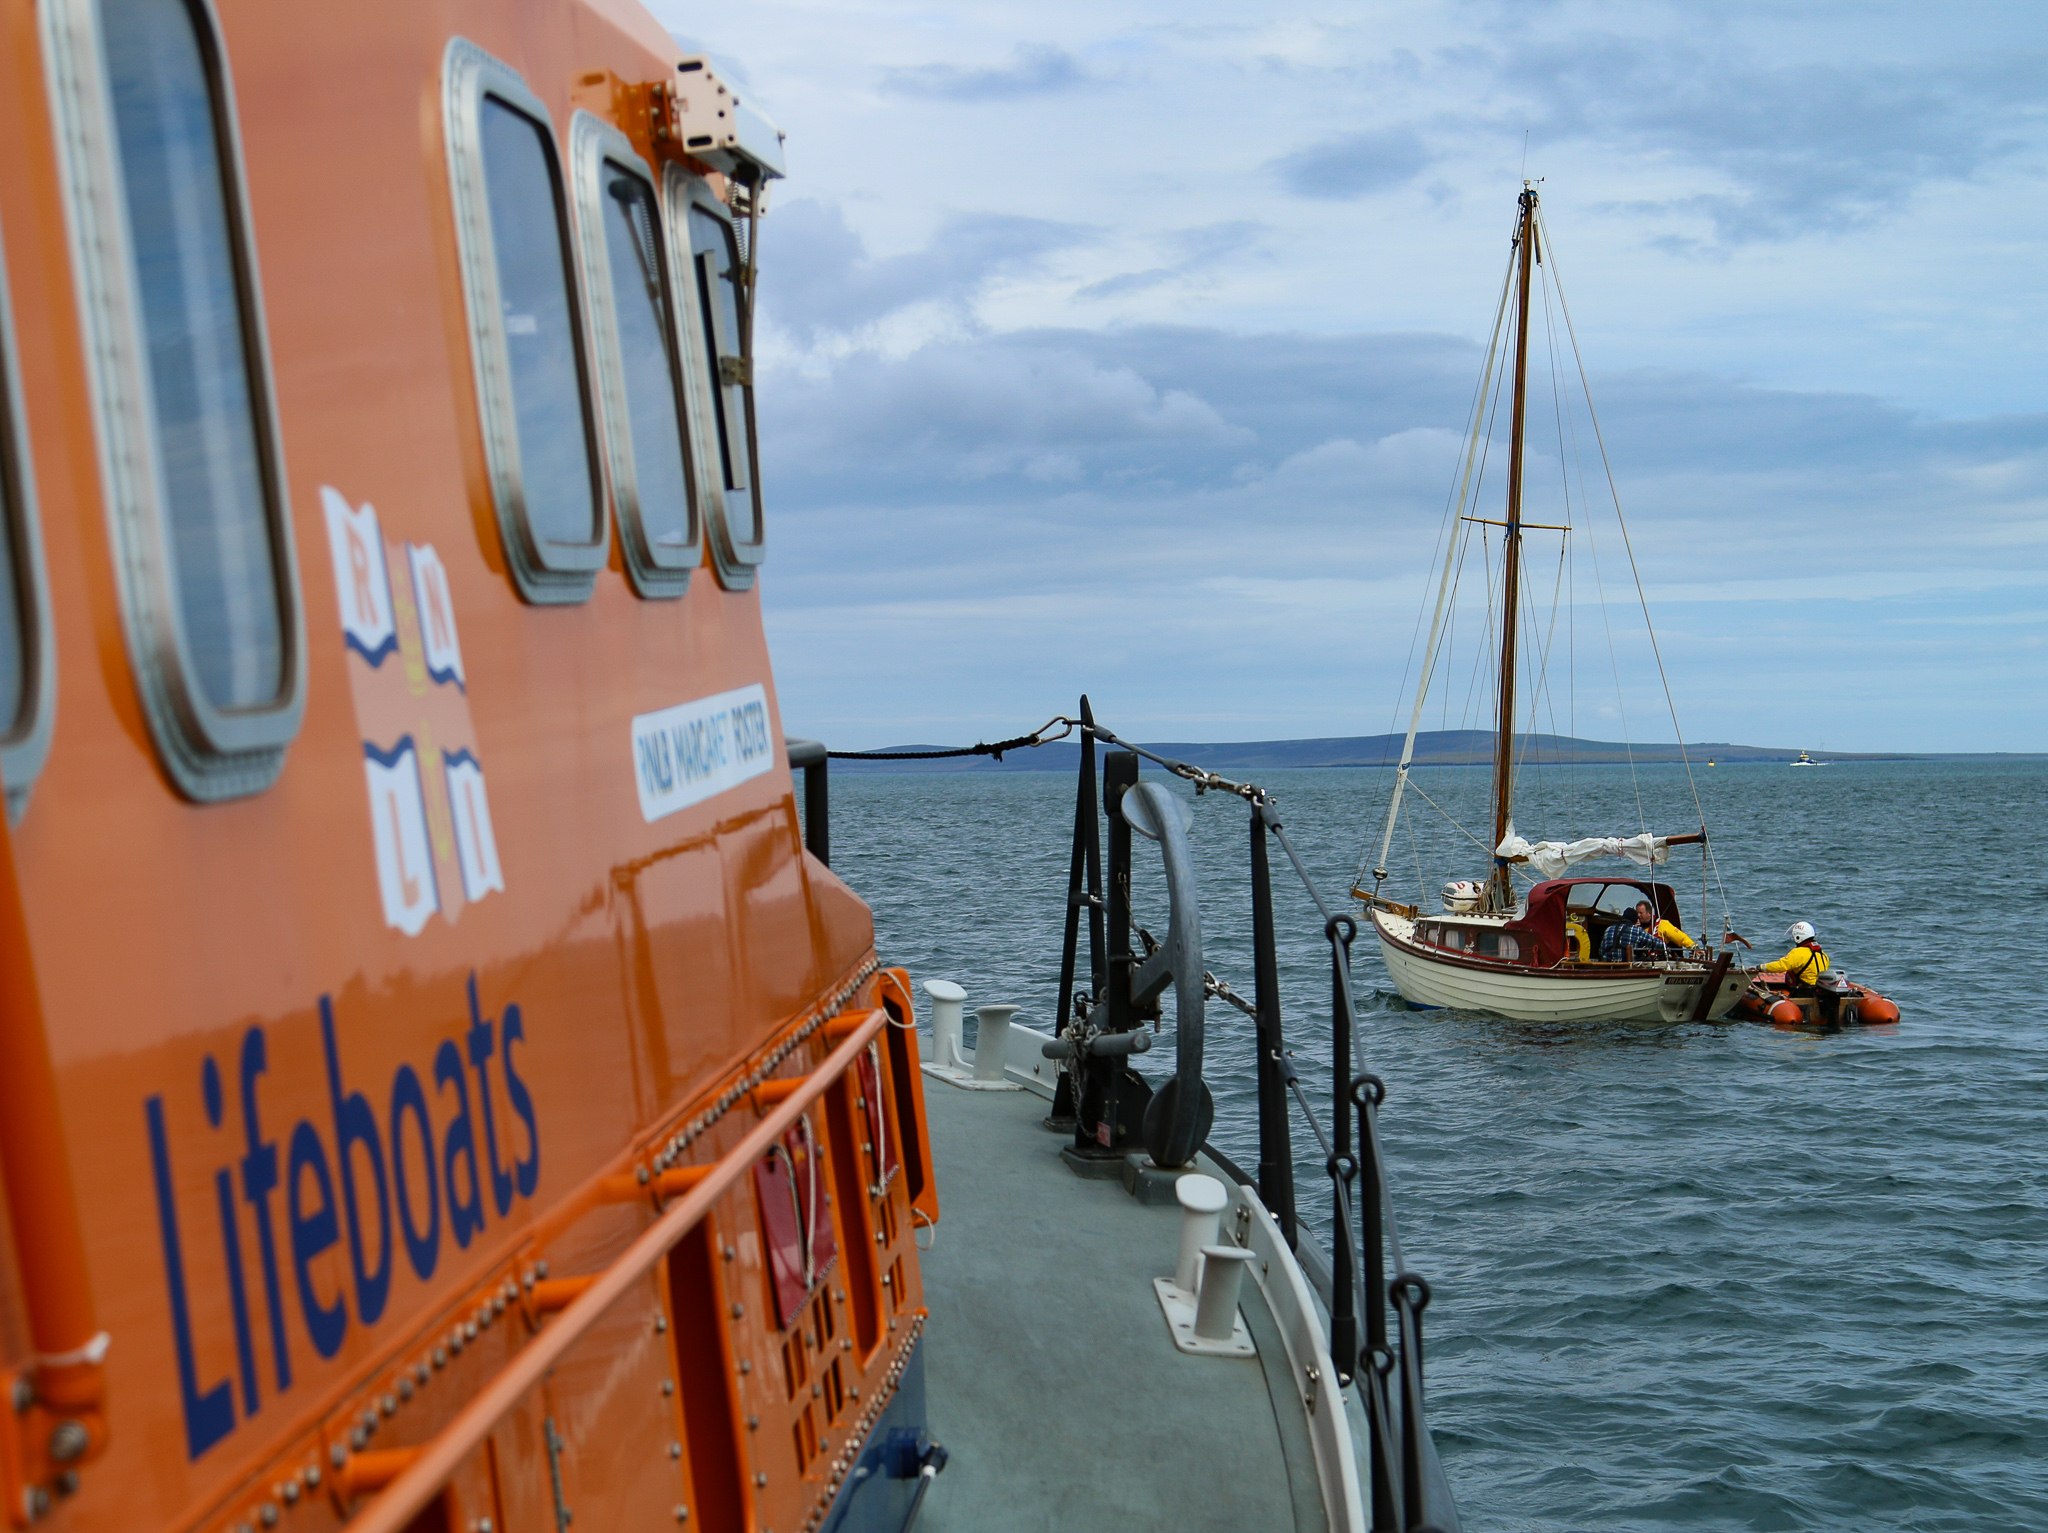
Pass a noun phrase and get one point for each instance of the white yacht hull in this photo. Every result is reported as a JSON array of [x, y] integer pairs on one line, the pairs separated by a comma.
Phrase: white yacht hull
[[1637, 993]]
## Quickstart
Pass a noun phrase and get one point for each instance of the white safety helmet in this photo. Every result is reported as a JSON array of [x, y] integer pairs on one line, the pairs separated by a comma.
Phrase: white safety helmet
[[1801, 931]]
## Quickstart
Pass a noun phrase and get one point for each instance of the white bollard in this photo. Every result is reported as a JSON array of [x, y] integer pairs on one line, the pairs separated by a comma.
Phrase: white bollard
[[992, 1042], [1202, 1201], [1216, 1308], [947, 1000]]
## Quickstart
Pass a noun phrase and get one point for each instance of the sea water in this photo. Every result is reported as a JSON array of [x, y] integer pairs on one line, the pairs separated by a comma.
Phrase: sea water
[[1693, 1276]]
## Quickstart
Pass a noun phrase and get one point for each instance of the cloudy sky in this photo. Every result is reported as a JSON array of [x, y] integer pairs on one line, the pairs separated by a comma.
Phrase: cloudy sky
[[1128, 348]]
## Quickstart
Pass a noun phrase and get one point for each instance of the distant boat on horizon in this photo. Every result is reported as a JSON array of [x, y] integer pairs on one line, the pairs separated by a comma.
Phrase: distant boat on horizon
[[1804, 760]]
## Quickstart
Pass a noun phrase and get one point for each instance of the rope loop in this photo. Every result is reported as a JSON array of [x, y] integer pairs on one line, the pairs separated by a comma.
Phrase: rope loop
[[1414, 1287], [1368, 1091]]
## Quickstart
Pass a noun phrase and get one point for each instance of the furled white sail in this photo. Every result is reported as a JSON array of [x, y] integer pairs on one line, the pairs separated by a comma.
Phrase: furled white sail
[[1552, 858]]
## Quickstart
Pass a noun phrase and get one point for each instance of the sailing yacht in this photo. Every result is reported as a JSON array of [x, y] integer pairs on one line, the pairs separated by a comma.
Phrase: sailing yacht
[[1535, 955]]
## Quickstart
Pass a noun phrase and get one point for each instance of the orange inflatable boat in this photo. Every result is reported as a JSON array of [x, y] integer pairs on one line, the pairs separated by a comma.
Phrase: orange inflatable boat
[[1842, 1005]]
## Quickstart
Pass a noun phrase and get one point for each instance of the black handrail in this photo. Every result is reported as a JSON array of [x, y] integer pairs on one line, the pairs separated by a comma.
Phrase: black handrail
[[1408, 1490], [1276, 1145], [1103, 1100], [810, 758]]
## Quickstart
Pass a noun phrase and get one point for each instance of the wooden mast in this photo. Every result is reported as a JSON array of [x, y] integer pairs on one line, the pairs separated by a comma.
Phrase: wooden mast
[[1501, 889]]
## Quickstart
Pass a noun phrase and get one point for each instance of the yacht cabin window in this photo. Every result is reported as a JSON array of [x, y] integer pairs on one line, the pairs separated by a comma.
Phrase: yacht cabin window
[[1612, 899], [1487, 942], [191, 465]]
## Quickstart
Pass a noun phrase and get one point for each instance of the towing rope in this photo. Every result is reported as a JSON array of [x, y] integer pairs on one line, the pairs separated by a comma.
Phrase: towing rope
[[1043, 735]]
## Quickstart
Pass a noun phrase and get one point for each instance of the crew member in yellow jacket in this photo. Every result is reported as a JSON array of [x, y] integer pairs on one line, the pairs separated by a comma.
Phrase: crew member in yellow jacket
[[1581, 940], [1805, 964], [1645, 916]]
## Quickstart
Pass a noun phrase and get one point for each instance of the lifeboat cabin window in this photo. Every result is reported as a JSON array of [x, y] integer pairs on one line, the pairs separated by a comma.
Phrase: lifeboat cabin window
[[191, 467], [526, 329], [719, 270], [27, 654], [628, 269]]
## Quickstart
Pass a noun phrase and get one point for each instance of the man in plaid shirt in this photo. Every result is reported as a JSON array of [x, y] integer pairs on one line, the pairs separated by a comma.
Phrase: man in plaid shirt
[[1633, 941]]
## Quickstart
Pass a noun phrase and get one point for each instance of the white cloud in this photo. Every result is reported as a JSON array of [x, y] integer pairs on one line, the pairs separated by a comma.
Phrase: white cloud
[[1147, 353], [1034, 69], [1356, 165]]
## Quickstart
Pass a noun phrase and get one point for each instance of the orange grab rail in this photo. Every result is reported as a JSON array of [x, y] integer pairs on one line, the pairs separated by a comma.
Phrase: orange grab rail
[[49, 1245], [409, 1493]]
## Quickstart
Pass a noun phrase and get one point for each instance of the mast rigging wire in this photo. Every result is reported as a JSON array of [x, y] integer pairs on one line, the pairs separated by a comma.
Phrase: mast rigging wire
[[1540, 646], [1449, 540], [1593, 415], [1453, 510]]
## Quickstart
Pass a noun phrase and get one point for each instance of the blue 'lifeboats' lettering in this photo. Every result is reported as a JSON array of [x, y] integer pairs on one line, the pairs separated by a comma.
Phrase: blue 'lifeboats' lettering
[[314, 1230], [339, 1187], [480, 1033], [209, 1413], [259, 1180], [694, 751], [422, 1246], [355, 1128], [238, 1289], [465, 1214]]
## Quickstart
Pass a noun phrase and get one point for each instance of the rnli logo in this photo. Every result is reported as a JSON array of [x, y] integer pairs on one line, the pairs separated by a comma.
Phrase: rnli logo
[[430, 808], [409, 1168]]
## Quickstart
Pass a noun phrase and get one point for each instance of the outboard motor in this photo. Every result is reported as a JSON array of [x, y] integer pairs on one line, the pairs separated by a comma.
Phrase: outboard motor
[[1462, 896], [1832, 989]]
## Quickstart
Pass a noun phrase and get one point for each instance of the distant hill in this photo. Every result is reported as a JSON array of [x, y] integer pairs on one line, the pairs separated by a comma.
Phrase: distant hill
[[1444, 747]]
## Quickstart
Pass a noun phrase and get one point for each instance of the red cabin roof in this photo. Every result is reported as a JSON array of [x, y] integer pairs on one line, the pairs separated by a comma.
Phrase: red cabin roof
[[1543, 914]]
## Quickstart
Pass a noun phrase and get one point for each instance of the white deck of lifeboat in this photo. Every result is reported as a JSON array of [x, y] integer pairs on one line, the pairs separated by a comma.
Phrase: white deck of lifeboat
[[1665, 991], [1050, 1375]]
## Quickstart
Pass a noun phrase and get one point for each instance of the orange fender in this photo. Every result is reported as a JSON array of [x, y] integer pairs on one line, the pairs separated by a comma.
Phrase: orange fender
[[1874, 1010], [1787, 1012]]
